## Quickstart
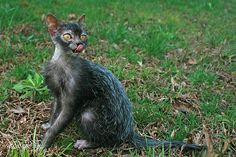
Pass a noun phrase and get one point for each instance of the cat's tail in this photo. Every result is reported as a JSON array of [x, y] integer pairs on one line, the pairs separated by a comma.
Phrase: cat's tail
[[139, 141]]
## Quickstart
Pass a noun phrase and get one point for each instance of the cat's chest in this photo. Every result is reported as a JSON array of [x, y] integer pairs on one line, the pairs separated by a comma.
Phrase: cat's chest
[[59, 75]]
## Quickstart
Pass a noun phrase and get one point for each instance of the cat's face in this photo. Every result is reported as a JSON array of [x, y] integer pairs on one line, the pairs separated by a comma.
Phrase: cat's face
[[70, 36]]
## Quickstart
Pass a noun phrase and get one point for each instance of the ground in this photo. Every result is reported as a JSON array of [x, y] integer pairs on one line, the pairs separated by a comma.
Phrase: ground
[[176, 60]]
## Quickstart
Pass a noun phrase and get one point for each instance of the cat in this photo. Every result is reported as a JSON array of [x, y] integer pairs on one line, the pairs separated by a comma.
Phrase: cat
[[89, 94]]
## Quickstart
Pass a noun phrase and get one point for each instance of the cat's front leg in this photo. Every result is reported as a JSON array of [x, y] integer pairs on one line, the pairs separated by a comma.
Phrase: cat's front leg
[[56, 109], [45, 126], [63, 119]]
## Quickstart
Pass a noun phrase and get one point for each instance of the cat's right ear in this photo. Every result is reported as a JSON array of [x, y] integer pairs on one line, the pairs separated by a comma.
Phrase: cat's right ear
[[81, 19], [52, 24]]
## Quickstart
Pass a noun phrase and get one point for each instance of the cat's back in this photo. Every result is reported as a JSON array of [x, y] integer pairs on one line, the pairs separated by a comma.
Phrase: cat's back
[[101, 81], [99, 73]]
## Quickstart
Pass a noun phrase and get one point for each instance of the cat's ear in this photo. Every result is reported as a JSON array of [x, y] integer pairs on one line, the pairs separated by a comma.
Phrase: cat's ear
[[52, 24], [81, 19]]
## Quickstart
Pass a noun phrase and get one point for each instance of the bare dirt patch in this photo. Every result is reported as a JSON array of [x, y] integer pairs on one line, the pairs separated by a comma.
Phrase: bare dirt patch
[[20, 119]]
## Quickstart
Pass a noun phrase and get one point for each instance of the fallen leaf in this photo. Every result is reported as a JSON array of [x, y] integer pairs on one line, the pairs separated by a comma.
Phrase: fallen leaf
[[115, 46], [192, 61], [6, 135], [210, 150], [43, 16], [18, 110], [226, 145], [140, 63], [173, 134], [174, 83], [23, 119], [185, 105], [226, 76]]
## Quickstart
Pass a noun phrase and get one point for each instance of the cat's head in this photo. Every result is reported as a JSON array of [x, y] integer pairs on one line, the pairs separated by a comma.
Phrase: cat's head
[[70, 36]]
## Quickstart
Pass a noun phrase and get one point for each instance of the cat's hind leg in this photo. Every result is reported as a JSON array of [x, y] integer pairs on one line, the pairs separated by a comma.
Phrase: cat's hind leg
[[82, 144], [56, 109]]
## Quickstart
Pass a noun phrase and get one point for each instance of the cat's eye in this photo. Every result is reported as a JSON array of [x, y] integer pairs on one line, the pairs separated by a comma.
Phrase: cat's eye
[[83, 37], [67, 36]]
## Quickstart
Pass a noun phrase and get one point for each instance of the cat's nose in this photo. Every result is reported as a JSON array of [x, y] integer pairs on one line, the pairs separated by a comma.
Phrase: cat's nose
[[79, 43]]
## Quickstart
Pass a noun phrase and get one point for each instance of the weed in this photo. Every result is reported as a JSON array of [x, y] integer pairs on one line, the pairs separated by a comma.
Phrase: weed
[[21, 149], [32, 87]]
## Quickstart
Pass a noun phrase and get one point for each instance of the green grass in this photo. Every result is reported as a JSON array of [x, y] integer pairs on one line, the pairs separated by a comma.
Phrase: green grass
[[148, 46]]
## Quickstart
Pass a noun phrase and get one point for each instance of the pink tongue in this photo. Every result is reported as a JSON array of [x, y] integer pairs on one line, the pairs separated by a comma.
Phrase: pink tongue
[[79, 48]]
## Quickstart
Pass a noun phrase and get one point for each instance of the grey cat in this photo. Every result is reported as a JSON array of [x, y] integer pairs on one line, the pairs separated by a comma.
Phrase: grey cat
[[90, 94]]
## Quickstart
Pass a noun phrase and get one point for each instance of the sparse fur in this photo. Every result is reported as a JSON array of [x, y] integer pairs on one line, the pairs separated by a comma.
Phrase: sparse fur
[[93, 96]]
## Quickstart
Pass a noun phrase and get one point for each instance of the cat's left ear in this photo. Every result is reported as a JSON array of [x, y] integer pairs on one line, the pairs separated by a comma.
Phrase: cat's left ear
[[81, 19], [52, 24]]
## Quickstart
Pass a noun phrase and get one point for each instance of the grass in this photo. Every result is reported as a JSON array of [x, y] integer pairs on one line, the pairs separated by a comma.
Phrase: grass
[[162, 52]]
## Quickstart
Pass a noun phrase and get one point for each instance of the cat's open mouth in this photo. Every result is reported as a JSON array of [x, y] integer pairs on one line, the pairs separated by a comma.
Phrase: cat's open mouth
[[79, 48]]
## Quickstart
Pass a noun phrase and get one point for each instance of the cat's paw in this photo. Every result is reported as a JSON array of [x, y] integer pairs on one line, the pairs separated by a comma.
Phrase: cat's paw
[[81, 144], [45, 126], [40, 149]]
